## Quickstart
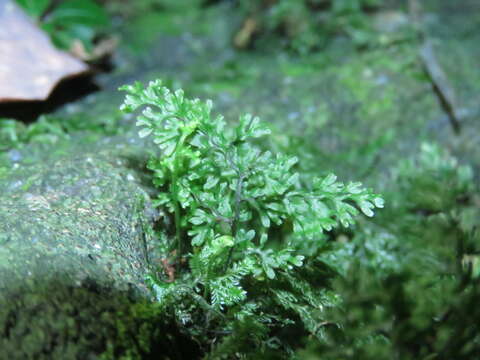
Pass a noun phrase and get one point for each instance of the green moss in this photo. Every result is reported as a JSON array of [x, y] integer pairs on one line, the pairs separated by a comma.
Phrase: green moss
[[56, 320], [161, 20]]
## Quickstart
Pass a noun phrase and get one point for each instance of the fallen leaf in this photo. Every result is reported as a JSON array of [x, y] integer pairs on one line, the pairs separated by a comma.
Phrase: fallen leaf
[[30, 66]]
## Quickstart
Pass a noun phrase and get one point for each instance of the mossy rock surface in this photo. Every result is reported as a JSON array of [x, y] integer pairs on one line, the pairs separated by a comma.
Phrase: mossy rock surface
[[79, 215], [74, 252], [61, 320]]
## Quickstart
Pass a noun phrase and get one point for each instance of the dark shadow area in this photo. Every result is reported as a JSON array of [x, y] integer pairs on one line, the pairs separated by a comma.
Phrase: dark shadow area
[[66, 91], [54, 319]]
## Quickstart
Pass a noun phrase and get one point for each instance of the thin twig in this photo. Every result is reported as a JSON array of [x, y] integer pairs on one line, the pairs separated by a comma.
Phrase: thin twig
[[438, 79]]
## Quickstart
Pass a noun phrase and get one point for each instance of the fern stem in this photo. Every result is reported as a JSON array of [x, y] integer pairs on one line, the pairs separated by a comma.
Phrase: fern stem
[[236, 218], [176, 207], [174, 193]]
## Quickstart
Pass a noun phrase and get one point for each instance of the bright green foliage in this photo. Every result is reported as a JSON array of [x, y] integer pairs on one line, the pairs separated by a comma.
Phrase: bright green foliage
[[251, 229], [34, 8], [49, 129], [308, 25], [68, 20], [14, 133]]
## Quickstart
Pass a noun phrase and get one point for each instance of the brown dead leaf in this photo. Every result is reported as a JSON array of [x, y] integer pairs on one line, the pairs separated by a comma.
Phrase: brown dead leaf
[[30, 66], [244, 36], [103, 48]]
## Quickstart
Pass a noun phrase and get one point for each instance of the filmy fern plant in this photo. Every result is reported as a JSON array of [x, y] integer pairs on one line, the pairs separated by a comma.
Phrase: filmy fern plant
[[412, 289], [248, 231]]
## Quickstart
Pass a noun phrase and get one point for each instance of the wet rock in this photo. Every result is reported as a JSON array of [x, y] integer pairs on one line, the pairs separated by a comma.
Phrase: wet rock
[[73, 256], [390, 21], [14, 155]]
